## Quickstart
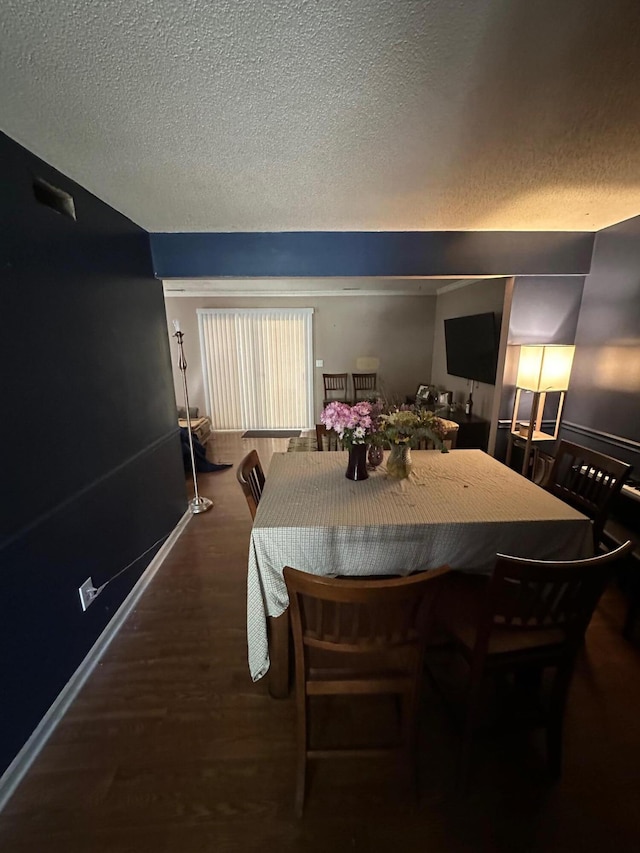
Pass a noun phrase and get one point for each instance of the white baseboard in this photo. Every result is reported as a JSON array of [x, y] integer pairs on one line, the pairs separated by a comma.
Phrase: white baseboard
[[15, 772]]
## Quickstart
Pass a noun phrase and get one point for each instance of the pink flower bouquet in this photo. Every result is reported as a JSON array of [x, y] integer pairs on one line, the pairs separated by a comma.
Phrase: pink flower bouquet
[[354, 424]]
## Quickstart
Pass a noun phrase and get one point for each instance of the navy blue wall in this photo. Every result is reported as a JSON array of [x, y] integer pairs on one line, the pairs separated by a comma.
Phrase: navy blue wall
[[92, 474], [603, 403], [544, 310], [384, 253]]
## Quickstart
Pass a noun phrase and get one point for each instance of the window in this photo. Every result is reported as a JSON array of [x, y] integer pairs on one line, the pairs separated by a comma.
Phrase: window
[[257, 367]]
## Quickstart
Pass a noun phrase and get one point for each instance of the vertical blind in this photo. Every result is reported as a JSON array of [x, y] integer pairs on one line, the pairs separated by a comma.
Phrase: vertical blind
[[257, 367]]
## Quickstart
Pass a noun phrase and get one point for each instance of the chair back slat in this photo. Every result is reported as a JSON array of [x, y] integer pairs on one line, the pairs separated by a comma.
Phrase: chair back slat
[[335, 633], [327, 439], [449, 441], [365, 385], [424, 444], [451, 438], [335, 386], [355, 623], [350, 615], [335, 381], [342, 626], [251, 478], [559, 601], [364, 381], [533, 594], [535, 604], [588, 481]]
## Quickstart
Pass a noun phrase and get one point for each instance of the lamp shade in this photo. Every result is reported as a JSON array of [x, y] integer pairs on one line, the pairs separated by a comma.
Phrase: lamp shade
[[545, 368]]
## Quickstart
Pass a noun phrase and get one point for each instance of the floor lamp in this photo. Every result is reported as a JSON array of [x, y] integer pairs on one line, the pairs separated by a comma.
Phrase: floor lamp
[[198, 503], [541, 369]]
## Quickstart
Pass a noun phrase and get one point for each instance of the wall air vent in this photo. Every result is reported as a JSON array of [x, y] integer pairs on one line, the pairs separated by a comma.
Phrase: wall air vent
[[54, 198]]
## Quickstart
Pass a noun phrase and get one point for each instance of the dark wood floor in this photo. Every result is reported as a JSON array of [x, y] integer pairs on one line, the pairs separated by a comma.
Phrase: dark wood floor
[[171, 747]]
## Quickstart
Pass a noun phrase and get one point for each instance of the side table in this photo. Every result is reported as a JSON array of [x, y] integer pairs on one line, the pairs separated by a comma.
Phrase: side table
[[473, 432], [530, 443]]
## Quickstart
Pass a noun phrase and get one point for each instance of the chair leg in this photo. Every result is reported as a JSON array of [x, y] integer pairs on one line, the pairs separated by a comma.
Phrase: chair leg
[[632, 616], [529, 679], [409, 730], [557, 703], [301, 757], [554, 748], [279, 653], [473, 707]]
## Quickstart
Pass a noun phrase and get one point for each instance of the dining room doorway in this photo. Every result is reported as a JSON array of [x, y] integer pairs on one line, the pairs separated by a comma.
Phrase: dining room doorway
[[257, 367]]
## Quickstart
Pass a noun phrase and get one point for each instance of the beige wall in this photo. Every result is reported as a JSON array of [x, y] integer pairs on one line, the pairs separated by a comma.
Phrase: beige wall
[[395, 330], [474, 298]]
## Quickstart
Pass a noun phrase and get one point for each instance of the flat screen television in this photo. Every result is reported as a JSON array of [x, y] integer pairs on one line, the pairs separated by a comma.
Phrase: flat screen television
[[472, 347]]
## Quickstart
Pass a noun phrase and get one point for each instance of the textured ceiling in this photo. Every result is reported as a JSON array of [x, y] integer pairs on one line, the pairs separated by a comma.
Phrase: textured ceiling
[[276, 115]]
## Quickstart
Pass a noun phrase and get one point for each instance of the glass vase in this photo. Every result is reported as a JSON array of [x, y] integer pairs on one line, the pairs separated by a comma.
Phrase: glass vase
[[399, 461], [357, 467]]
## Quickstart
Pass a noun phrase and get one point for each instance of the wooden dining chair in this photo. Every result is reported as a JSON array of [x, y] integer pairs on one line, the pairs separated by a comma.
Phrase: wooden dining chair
[[451, 437], [588, 481], [359, 637], [251, 478], [528, 616], [449, 441], [335, 388], [365, 386], [327, 439]]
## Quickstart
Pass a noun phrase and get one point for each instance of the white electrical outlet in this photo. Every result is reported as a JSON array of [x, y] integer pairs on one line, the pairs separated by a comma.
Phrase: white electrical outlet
[[87, 593]]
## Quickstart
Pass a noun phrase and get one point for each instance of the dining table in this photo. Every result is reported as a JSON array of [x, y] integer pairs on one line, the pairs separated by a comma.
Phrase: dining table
[[459, 509]]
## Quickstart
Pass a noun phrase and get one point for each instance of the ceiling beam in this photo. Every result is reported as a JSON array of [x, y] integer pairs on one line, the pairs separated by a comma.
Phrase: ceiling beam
[[363, 253]]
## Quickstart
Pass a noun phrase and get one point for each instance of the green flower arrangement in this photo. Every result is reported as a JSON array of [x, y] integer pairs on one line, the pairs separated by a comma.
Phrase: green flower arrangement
[[408, 425]]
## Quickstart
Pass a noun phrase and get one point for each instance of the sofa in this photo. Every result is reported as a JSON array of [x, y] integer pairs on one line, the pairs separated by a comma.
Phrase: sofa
[[200, 426]]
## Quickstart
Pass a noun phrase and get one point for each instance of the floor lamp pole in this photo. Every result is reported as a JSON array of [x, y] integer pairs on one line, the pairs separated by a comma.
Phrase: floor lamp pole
[[199, 503]]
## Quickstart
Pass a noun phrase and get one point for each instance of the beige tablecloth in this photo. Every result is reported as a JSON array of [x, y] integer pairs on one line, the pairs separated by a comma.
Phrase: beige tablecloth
[[460, 508]]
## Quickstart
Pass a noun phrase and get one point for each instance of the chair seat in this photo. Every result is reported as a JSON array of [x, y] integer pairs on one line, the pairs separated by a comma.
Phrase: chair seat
[[463, 598], [332, 681], [359, 664], [507, 641]]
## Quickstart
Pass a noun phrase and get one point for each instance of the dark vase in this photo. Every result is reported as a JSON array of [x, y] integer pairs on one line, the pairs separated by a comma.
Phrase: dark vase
[[357, 467], [375, 455]]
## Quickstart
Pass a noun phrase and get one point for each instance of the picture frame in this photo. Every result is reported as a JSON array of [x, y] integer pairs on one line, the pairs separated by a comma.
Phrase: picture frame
[[422, 392]]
